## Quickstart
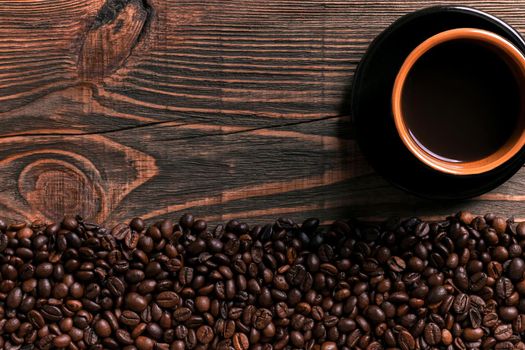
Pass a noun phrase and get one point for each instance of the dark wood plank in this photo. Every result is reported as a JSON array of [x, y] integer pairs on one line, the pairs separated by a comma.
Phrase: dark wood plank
[[119, 108]]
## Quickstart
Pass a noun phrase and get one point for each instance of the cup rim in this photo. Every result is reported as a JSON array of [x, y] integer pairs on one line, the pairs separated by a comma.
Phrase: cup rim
[[483, 165]]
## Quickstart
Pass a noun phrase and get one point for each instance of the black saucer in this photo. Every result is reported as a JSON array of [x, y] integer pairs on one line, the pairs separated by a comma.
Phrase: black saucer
[[371, 95]]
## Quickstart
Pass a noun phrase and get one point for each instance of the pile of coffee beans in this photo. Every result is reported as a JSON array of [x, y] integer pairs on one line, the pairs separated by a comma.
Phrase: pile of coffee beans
[[402, 284]]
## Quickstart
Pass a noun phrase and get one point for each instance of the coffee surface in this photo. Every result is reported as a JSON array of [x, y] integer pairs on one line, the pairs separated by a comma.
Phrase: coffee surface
[[461, 101]]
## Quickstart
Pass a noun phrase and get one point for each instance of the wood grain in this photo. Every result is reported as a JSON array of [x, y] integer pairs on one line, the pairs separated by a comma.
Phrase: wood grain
[[229, 109]]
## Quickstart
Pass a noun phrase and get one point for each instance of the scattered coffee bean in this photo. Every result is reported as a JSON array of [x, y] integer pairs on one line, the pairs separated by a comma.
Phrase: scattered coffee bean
[[454, 284]]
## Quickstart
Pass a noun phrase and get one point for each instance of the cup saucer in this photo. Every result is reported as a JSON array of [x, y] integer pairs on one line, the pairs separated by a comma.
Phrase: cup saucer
[[371, 104]]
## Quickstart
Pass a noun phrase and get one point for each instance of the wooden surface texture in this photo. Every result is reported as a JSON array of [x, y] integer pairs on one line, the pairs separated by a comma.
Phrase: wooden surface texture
[[228, 109]]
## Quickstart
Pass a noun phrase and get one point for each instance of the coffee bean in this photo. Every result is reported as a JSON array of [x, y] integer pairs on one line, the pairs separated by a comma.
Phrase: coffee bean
[[46, 342], [136, 302], [478, 281], [329, 345], [4, 241], [506, 345], [503, 332], [62, 341], [436, 294], [51, 313], [262, 318], [490, 319], [167, 299], [116, 286], [186, 275], [129, 318], [508, 313], [504, 287], [102, 328], [120, 231], [475, 317], [406, 341], [405, 284], [296, 275], [472, 334], [205, 334], [516, 268], [461, 303], [14, 298], [44, 270], [123, 337], [135, 276], [131, 239], [375, 314], [144, 343], [432, 334], [494, 269], [36, 319], [202, 303], [399, 297], [396, 264], [182, 314], [240, 341], [229, 329], [446, 337]]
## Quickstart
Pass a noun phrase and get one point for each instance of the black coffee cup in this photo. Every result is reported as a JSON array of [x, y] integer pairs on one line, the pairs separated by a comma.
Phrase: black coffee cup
[[407, 159]]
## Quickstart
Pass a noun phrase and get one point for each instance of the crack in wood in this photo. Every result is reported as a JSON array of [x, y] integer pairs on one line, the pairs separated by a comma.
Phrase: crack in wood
[[165, 123]]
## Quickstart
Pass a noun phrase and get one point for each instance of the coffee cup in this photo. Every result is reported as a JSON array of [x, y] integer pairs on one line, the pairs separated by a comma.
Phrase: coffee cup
[[458, 101]]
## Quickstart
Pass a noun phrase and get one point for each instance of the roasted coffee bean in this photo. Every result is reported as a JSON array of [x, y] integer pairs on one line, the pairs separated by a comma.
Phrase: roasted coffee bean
[[167, 299], [519, 324], [403, 284], [472, 334], [116, 286], [262, 318], [504, 287], [90, 336], [129, 318], [406, 341], [490, 319], [136, 302], [436, 294], [475, 317], [478, 281], [62, 341], [396, 264], [241, 342], [144, 343], [182, 314], [120, 231], [506, 345], [102, 328], [51, 313], [516, 269], [508, 313], [205, 334], [36, 319], [375, 314], [432, 334], [14, 298], [123, 337], [461, 303], [503, 332]]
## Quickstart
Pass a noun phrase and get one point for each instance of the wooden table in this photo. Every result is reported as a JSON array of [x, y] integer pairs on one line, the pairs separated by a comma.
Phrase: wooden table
[[225, 108]]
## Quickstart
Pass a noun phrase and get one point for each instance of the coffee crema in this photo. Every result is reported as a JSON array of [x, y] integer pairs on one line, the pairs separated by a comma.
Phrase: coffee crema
[[461, 101]]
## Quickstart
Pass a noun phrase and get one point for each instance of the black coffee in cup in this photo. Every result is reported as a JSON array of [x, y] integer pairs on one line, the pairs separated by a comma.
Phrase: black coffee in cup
[[461, 101]]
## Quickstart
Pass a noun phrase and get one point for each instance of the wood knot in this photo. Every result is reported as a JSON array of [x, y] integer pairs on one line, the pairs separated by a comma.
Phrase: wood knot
[[55, 187], [114, 33], [67, 175]]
